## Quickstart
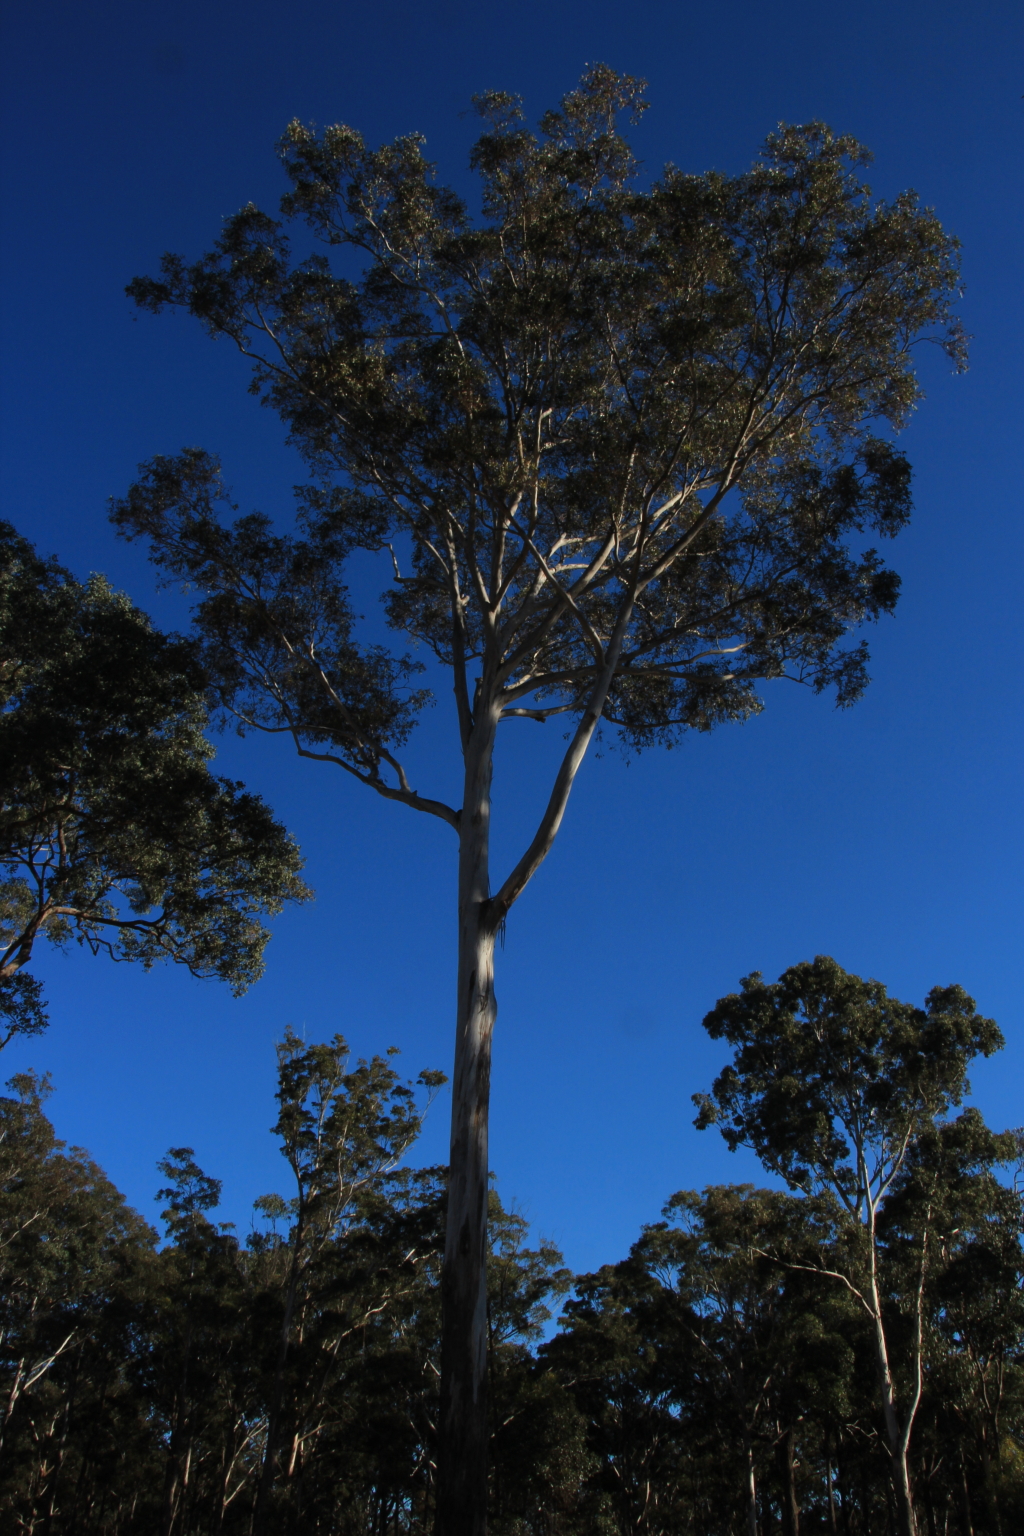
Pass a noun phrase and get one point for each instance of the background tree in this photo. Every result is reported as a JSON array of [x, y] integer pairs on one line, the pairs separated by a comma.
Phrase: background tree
[[706, 1369], [137, 1381], [837, 1087], [194, 1338], [738, 1319], [113, 830], [74, 1262], [521, 1282], [622, 446], [343, 1130], [951, 1188]]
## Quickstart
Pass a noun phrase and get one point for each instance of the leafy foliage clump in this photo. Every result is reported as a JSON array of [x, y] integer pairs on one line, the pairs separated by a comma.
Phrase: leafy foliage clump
[[113, 829]]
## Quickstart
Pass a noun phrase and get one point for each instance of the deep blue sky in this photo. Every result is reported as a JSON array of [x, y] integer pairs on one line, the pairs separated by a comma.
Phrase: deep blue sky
[[888, 836]]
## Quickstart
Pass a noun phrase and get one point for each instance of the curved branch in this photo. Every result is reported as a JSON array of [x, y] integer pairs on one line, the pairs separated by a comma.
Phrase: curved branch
[[403, 796]]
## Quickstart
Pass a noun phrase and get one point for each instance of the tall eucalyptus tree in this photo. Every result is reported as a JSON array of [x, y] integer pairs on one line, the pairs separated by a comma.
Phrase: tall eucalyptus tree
[[624, 446]]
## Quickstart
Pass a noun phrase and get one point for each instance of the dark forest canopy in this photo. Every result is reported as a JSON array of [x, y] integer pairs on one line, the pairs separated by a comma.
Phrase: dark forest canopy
[[719, 1380]]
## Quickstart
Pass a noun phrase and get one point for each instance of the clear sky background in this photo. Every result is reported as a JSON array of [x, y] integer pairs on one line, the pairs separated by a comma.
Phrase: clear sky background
[[888, 836]]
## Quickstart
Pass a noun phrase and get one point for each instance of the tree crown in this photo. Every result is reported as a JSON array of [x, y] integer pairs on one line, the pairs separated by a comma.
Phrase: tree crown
[[833, 1082], [619, 440]]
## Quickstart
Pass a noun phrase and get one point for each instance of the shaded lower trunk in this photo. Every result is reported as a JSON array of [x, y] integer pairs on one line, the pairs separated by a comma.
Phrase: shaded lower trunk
[[965, 1499], [173, 1474], [463, 1427], [898, 1433], [830, 1486], [905, 1516], [786, 1453], [272, 1452], [751, 1493]]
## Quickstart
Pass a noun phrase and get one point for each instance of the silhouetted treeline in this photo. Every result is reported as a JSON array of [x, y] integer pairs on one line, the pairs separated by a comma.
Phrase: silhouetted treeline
[[720, 1379]]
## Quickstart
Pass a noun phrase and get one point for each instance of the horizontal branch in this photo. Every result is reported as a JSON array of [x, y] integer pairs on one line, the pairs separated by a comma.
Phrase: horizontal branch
[[536, 714]]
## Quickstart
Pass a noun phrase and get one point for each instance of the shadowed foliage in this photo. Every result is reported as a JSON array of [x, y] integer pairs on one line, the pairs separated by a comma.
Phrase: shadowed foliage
[[113, 830]]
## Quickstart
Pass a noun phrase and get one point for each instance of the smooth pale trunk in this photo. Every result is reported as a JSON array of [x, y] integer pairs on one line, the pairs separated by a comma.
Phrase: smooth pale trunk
[[832, 1523], [462, 1467], [787, 1466], [904, 1495], [968, 1516], [751, 1493], [906, 1518]]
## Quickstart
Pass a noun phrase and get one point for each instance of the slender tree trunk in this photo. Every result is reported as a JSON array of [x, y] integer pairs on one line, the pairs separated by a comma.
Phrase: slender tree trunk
[[751, 1493], [12, 1398], [898, 1451], [968, 1514], [462, 1465], [790, 1505], [904, 1495], [830, 1486], [989, 1494], [172, 1474], [929, 1503], [272, 1454], [898, 1434]]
